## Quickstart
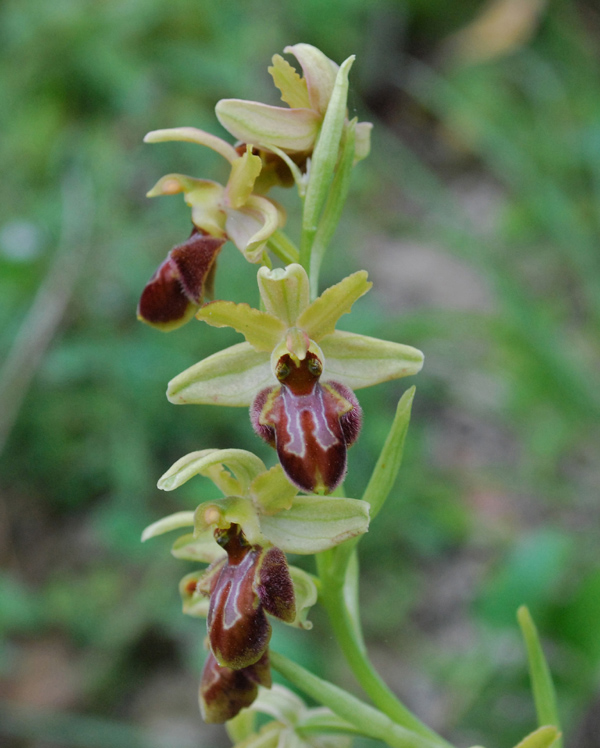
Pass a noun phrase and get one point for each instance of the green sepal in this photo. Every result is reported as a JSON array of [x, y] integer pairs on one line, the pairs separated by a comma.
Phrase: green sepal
[[541, 679], [271, 491], [211, 463], [293, 130], [361, 361], [319, 319], [267, 737], [543, 737], [285, 292], [202, 548], [230, 377], [194, 603], [172, 522], [306, 594], [262, 330], [316, 523]]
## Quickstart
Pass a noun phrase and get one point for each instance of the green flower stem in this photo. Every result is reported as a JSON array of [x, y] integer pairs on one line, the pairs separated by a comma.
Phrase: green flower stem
[[336, 595], [371, 722], [283, 247]]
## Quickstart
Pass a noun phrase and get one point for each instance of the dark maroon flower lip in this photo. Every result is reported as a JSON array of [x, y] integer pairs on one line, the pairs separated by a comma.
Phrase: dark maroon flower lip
[[177, 288], [251, 582], [225, 691], [311, 424]]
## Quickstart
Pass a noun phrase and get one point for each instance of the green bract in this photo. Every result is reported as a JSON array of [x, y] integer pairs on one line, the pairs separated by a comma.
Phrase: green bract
[[290, 323], [232, 211]]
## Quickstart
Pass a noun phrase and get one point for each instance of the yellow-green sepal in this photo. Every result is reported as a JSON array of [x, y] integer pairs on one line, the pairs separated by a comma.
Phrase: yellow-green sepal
[[214, 464], [316, 523], [231, 377], [361, 361], [293, 130]]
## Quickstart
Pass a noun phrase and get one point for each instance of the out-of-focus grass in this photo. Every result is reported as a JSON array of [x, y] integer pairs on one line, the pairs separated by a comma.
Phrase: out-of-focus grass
[[496, 504]]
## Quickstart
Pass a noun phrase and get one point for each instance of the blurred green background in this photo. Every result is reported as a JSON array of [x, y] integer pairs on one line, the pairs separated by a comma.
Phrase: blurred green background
[[477, 216]]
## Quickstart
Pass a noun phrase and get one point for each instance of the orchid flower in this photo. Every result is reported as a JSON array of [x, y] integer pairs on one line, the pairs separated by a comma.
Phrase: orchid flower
[[296, 371], [293, 130]]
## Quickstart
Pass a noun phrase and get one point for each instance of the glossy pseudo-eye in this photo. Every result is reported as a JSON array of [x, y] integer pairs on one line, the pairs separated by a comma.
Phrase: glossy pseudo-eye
[[310, 423], [250, 582]]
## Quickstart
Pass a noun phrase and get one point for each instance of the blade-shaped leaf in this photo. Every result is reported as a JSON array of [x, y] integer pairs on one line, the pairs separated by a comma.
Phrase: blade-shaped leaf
[[385, 471], [543, 737], [243, 464], [541, 679], [361, 361], [316, 523], [320, 318], [230, 377]]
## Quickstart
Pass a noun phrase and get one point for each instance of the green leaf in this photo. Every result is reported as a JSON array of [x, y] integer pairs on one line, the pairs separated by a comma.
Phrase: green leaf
[[361, 361], [230, 377], [543, 737], [316, 523], [384, 474], [326, 152], [166, 524], [541, 679]]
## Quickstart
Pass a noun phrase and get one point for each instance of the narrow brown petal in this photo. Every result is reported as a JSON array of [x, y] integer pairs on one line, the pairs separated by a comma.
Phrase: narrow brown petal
[[275, 587]]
